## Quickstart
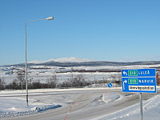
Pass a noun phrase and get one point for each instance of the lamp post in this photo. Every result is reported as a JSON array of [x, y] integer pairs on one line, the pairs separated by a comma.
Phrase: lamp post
[[26, 52]]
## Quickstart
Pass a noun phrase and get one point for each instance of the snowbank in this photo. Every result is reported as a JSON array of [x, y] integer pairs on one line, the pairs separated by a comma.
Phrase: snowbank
[[151, 111], [12, 106]]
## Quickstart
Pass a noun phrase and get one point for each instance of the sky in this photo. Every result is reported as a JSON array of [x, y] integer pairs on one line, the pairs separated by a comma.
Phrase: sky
[[110, 30]]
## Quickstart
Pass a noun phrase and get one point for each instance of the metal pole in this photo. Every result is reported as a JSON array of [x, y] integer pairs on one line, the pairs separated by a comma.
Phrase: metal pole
[[26, 66], [141, 106]]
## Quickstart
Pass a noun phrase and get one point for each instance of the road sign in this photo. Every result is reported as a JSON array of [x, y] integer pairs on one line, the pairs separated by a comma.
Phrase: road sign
[[139, 80], [138, 73], [109, 85], [139, 85]]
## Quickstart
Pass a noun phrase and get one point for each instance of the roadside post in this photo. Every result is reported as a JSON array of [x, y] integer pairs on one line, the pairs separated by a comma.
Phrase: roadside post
[[141, 81]]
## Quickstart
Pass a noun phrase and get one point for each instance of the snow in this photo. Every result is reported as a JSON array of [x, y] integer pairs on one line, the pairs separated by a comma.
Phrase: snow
[[62, 60], [108, 98], [71, 59], [16, 106], [41, 73], [105, 99], [13, 106], [150, 108], [41, 76]]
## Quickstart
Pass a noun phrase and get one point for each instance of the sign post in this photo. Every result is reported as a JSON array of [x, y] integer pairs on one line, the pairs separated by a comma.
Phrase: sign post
[[139, 80], [141, 105]]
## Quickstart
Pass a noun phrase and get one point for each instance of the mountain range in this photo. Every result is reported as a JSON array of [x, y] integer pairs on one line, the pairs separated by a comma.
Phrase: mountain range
[[72, 62]]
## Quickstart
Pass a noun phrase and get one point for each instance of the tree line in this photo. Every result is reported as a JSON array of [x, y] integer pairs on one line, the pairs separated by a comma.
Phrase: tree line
[[52, 82]]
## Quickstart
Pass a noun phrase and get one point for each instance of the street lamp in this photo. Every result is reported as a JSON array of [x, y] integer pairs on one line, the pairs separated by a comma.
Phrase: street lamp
[[26, 53]]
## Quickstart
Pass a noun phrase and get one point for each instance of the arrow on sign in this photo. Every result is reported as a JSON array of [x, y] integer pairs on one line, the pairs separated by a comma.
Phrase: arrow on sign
[[125, 73], [125, 81]]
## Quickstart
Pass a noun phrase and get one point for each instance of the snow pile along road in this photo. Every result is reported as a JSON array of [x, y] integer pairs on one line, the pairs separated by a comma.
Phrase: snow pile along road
[[150, 107], [12, 106]]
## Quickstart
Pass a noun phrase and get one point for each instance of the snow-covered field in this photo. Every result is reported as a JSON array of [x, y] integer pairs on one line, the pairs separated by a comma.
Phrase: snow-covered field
[[36, 76], [100, 101], [41, 73]]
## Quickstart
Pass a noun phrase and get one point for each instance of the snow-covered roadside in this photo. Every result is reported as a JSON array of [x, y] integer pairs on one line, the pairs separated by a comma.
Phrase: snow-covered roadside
[[42, 91], [111, 97], [17, 107], [150, 106]]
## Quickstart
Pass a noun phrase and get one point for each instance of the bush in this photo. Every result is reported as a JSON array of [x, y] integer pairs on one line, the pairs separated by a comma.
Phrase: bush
[[78, 81]]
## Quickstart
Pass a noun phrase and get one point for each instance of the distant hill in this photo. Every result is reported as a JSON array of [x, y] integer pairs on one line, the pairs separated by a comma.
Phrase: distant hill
[[72, 62], [97, 63]]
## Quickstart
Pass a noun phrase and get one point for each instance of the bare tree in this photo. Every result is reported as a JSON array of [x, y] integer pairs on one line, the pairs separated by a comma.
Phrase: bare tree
[[52, 82], [79, 81], [2, 84], [20, 78]]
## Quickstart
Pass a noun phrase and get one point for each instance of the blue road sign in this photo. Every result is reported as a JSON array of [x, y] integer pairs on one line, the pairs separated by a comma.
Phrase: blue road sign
[[139, 85], [109, 85], [139, 80], [139, 73]]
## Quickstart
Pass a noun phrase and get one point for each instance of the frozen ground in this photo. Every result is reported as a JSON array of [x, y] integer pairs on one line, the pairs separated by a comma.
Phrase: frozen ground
[[39, 76], [44, 99], [151, 111], [13, 106], [77, 104], [44, 73]]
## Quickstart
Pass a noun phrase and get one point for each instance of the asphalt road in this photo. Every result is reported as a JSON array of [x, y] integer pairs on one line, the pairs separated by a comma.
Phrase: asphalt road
[[82, 106]]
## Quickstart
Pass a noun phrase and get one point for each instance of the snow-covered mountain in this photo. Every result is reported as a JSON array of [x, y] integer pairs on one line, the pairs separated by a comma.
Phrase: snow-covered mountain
[[78, 62], [62, 60]]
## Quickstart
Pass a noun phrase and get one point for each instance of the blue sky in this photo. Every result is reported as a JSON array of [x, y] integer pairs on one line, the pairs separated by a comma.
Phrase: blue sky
[[111, 30]]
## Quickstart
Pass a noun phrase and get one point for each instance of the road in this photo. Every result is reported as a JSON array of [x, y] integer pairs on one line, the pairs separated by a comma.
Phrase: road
[[80, 104]]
